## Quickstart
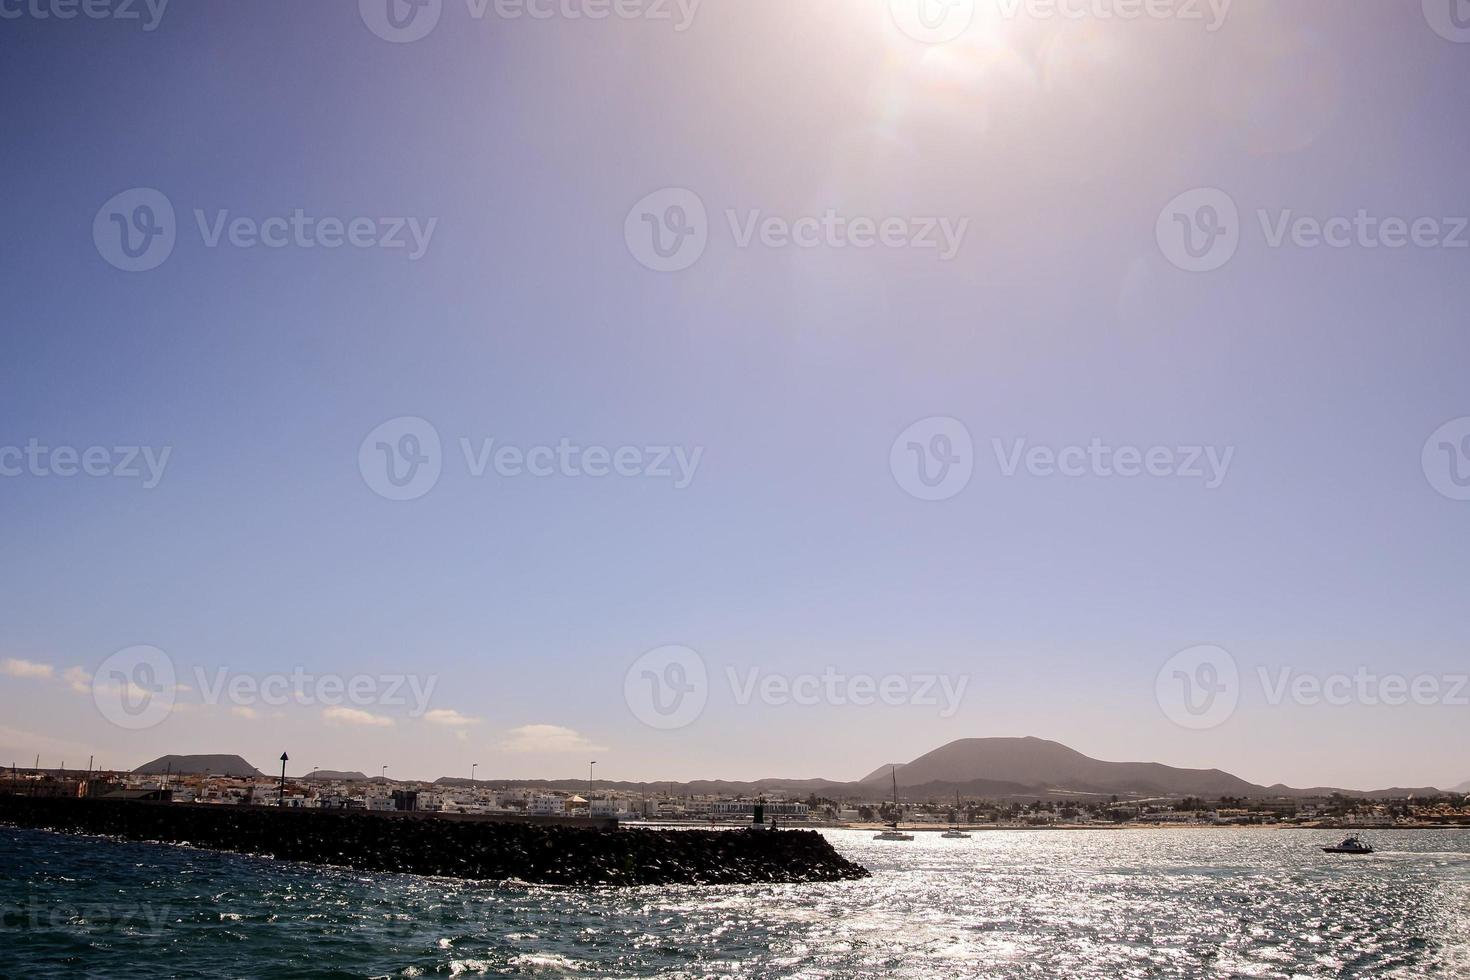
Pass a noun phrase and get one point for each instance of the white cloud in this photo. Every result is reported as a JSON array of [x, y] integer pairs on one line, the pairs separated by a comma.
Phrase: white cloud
[[353, 716], [28, 669], [548, 738], [78, 680], [450, 717]]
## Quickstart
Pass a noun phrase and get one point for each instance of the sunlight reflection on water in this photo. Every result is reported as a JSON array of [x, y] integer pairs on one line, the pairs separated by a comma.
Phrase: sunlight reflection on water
[[1166, 903]]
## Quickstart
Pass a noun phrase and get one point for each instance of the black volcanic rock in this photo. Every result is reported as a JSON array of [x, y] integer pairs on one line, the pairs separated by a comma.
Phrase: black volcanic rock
[[538, 853]]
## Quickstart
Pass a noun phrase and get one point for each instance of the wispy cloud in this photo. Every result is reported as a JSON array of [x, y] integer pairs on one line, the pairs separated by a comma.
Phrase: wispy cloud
[[548, 738], [450, 717], [28, 669], [354, 716], [78, 680]]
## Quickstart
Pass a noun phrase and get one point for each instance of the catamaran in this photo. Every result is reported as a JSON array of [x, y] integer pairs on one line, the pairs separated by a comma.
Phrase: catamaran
[[893, 833]]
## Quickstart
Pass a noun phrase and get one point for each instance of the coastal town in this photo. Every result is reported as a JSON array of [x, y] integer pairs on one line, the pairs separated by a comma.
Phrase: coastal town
[[666, 804]]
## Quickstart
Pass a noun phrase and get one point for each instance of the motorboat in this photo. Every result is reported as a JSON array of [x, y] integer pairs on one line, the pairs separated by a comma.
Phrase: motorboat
[[893, 833], [1352, 845]]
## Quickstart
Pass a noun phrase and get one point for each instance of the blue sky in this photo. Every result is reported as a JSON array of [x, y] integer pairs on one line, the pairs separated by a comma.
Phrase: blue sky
[[794, 548]]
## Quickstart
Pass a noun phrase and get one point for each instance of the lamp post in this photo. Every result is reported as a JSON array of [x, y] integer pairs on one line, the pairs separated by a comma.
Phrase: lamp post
[[589, 784], [473, 767], [384, 774]]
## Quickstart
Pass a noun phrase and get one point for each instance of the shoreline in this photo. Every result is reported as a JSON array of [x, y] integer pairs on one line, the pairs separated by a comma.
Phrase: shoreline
[[991, 828]]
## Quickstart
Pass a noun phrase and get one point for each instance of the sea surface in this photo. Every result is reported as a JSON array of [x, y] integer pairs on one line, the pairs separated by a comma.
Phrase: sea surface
[[1052, 904]]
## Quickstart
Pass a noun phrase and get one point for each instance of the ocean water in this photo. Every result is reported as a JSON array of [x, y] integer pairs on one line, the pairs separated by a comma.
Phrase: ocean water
[[1059, 904]]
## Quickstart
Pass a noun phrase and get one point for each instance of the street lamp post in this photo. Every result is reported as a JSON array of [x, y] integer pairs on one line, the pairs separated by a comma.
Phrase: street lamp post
[[473, 767], [589, 784]]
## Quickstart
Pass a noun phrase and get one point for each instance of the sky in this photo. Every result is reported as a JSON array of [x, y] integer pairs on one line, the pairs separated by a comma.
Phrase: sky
[[735, 389]]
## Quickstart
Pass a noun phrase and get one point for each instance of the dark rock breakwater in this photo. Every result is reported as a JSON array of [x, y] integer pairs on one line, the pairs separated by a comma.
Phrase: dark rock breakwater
[[481, 850]]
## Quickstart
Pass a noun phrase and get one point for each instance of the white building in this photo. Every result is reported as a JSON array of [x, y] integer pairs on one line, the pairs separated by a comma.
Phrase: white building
[[547, 806], [746, 808], [622, 809]]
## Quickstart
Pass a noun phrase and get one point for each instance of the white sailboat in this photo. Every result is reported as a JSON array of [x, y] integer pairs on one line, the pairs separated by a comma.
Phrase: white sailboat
[[954, 832], [893, 833]]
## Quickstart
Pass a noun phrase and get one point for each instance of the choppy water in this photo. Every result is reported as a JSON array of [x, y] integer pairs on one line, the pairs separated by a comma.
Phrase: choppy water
[[1186, 903]]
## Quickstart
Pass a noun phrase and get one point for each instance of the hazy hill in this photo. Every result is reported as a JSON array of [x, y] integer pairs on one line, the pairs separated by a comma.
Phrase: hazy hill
[[1038, 763], [333, 774], [882, 771], [1000, 767], [1462, 788], [198, 765]]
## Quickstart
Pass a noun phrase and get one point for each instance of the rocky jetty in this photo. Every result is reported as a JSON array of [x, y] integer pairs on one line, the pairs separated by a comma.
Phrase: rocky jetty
[[481, 849]]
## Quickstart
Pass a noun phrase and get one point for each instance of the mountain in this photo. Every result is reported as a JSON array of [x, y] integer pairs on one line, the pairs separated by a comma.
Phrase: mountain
[[1001, 767], [198, 765], [882, 771], [1462, 788], [333, 774]]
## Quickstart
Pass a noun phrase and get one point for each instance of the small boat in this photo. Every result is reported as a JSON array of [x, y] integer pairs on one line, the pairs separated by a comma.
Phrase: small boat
[[954, 832], [893, 833], [1351, 845]]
